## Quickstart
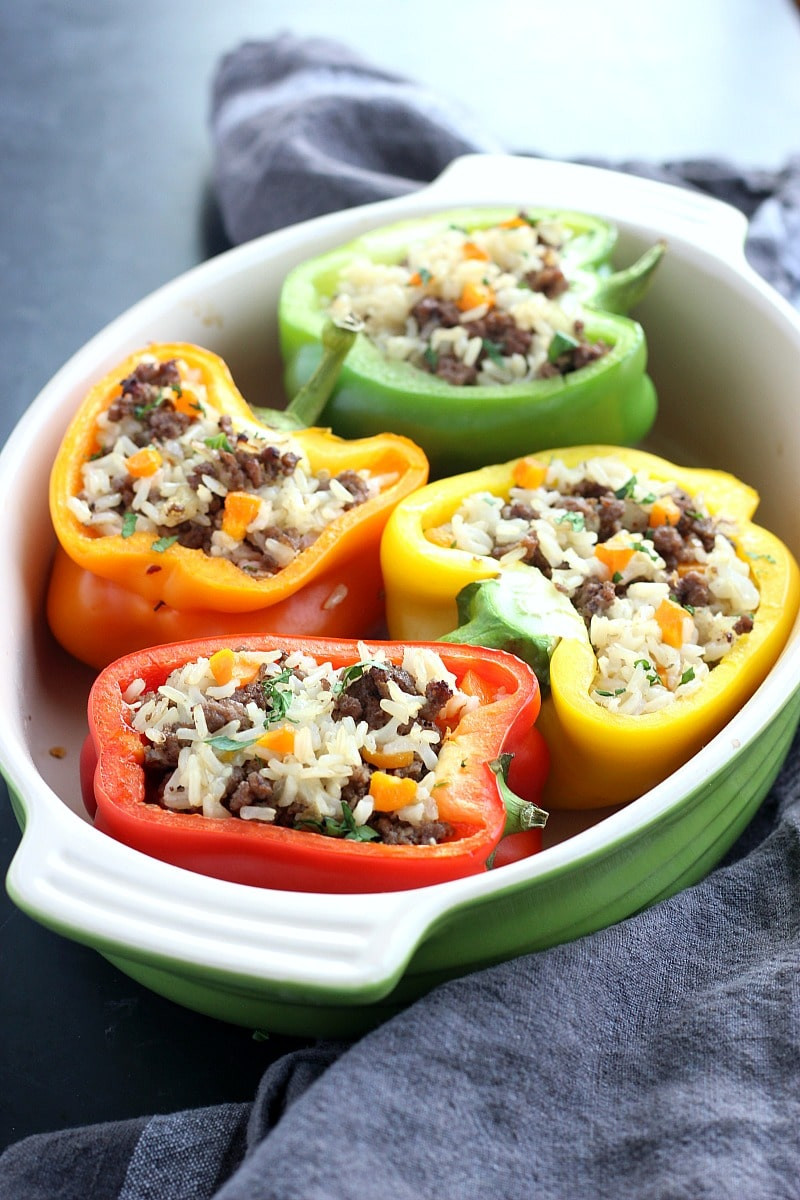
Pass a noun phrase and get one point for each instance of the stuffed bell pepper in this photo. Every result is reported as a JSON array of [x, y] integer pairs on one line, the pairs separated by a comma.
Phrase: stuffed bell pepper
[[316, 765], [483, 328], [649, 604], [179, 514]]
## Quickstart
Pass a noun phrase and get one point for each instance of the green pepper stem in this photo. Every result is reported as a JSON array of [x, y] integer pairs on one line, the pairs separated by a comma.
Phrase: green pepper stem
[[306, 407], [620, 291], [520, 814]]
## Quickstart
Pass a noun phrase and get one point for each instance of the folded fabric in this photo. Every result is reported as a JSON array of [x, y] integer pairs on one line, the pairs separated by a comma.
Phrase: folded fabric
[[658, 1058]]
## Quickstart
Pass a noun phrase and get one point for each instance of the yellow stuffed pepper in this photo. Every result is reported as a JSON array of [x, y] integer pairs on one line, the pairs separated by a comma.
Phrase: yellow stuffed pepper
[[649, 604]]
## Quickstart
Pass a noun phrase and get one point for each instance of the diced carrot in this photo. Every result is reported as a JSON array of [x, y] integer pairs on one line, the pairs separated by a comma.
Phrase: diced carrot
[[473, 684], [391, 792], [529, 472], [186, 401], [475, 294], [512, 223], [240, 509], [278, 741], [415, 280], [245, 670], [386, 761], [664, 512], [662, 673], [471, 250], [225, 665], [616, 558], [221, 665], [685, 567], [439, 536], [670, 617], [144, 462]]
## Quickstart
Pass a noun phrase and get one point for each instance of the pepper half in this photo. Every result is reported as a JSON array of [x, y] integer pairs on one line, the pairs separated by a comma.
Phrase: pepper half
[[462, 427], [469, 794], [115, 593], [598, 757]]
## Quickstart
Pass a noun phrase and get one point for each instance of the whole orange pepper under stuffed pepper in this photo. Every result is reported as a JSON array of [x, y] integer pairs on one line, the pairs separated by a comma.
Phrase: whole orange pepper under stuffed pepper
[[179, 514]]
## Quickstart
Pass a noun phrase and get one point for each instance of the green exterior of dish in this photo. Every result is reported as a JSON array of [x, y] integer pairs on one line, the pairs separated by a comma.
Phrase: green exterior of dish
[[673, 851]]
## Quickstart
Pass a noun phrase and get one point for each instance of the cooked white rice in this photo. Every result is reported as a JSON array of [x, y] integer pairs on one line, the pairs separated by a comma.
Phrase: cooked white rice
[[325, 751], [637, 671]]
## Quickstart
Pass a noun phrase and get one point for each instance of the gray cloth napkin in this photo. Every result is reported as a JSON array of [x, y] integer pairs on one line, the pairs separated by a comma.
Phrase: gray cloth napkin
[[657, 1059]]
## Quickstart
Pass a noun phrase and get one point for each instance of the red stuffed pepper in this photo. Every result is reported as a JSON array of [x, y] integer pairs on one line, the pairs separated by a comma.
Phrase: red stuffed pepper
[[316, 765]]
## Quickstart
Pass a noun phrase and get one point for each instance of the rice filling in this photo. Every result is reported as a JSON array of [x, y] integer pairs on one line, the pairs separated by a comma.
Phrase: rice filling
[[480, 307], [169, 464], [658, 581], [349, 752]]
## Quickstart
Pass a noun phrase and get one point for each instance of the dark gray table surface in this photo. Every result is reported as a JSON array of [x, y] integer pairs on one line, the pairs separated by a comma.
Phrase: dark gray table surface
[[104, 162]]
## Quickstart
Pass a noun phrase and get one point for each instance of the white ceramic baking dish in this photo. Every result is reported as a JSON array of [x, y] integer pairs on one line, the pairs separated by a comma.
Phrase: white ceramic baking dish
[[725, 357]]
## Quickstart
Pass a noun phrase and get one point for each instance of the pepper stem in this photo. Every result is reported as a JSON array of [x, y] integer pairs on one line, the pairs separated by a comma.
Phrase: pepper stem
[[306, 407], [521, 611], [520, 814], [620, 291]]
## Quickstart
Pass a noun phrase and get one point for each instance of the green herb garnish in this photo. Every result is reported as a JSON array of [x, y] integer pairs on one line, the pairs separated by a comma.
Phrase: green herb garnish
[[493, 351], [129, 524], [561, 343], [346, 828], [219, 442], [278, 698], [163, 543], [575, 519], [688, 675], [626, 491], [431, 357]]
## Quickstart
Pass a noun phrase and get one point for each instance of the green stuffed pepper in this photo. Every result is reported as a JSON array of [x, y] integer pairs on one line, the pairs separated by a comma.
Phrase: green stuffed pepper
[[487, 333]]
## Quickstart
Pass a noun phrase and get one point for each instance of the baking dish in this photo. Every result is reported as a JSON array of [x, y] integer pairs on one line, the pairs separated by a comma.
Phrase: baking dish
[[725, 357]]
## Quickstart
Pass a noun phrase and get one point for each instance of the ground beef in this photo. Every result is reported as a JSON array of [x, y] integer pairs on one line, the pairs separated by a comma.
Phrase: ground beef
[[744, 624], [162, 424], [437, 694], [355, 485], [501, 329], [163, 756], [361, 699], [532, 553], [431, 313], [550, 280], [594, 596], [519, 510], [219, 712], [242, 470], [400, 833], [692, 589], [453, 370], [668, 542], [247, 787]]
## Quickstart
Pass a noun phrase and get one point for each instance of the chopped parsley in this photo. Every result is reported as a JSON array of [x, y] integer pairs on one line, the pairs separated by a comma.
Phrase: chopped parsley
[[626, 491], [688, 675], [219, 442], [431, 357], [129, 524], [345, 828], [575, 519], [493, 351], [163, 543], [278, 697], [561, 343]]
